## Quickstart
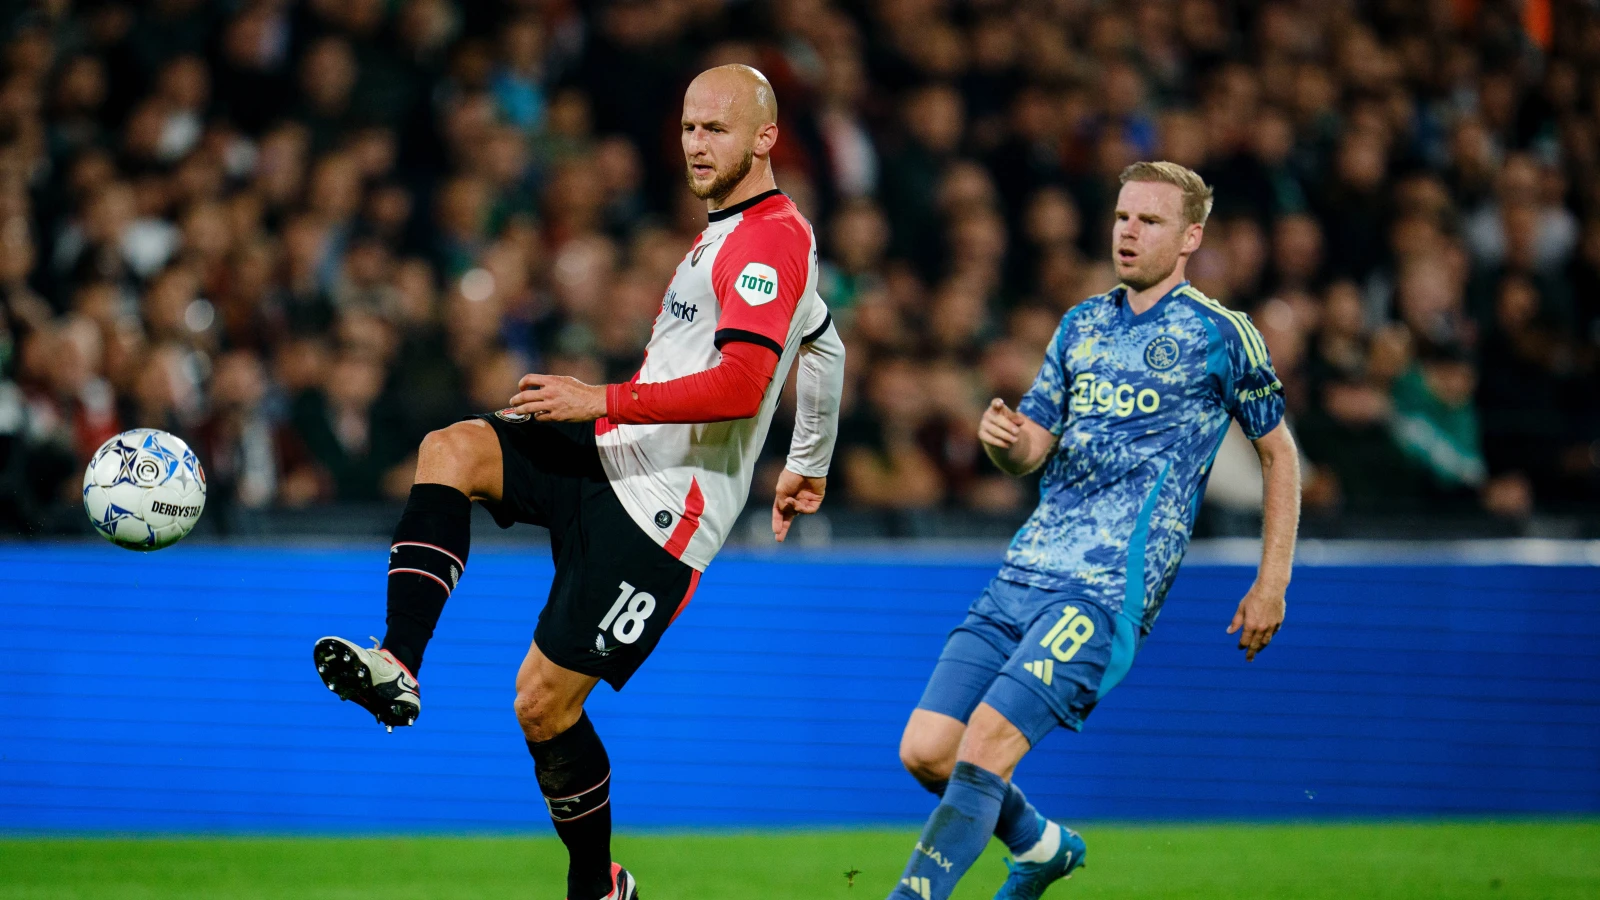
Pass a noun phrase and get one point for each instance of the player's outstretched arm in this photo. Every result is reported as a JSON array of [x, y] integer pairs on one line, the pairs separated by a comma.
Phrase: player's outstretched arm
[[1016, 443], [819, 384], [1260, 613]]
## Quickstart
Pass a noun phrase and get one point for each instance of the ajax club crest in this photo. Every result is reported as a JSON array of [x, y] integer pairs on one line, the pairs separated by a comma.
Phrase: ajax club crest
[[1162, 354]]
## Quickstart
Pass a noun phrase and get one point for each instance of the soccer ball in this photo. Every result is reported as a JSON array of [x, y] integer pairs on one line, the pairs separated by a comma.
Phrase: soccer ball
[[144, 489]]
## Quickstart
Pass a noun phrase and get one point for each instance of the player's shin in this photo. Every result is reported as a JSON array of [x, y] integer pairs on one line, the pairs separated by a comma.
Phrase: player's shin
[[1020, 826], [426, 560], [575, 777], [955, 835]]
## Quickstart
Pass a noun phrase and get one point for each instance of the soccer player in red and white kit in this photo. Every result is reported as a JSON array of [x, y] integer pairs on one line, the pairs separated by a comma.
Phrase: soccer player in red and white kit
[[639, 483]]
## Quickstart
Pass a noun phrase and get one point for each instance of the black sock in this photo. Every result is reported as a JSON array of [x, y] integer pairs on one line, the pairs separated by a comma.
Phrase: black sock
[[575, 777], [425, 562]]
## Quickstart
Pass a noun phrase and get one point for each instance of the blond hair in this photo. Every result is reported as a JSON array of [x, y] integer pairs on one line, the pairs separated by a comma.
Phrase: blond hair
[[1196, 193]]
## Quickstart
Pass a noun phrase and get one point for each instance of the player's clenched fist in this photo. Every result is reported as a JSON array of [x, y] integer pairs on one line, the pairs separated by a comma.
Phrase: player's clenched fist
[[1000, 426]]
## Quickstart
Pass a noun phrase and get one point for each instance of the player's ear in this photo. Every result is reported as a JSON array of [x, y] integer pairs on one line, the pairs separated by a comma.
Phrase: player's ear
[[766, 139], [1192, 237]]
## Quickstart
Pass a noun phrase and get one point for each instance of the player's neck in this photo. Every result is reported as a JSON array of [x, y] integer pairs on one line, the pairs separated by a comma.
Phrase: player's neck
[[759, 181], [1141, 301]]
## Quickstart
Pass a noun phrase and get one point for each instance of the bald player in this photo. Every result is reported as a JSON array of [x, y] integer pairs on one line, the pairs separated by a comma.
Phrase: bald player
[[639, 483]]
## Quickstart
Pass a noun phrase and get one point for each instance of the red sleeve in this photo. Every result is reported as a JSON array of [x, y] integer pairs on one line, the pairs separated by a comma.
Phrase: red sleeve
[[759, 274], [732, 389]]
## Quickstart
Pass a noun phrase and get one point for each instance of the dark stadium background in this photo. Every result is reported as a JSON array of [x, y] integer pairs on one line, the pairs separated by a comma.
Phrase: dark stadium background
[[302, 233]]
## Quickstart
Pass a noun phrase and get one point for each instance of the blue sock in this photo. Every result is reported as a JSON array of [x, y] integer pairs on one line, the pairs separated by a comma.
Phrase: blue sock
[[1020, 825], [955, 834]]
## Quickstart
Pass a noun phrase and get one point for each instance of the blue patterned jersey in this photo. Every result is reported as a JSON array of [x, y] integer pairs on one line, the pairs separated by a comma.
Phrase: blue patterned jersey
[[1140, 404]]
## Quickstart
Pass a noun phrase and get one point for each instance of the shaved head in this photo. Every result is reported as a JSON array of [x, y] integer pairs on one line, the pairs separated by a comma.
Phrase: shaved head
[[743, 90], [730, 122]]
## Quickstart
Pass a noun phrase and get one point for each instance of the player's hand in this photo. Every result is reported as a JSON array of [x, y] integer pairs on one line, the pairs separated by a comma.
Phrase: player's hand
[[1000, 426], [796, 494], [1258, 618], [559, 398]]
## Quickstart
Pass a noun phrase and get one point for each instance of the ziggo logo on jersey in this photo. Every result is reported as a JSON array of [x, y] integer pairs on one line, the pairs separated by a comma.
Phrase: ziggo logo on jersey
[[1090, 394]]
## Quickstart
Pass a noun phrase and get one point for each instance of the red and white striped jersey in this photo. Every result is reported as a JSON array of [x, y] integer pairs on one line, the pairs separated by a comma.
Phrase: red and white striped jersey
[[750, 276]]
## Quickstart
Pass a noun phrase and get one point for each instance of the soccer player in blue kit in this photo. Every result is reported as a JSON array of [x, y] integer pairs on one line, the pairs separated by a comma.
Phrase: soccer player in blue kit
[[1126, 415]]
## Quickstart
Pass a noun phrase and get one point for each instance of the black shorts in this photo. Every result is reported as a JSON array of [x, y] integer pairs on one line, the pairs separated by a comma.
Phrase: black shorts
[[616, 590]]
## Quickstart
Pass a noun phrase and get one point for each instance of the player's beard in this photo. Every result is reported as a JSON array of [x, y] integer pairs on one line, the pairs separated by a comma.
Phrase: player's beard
[[723, 185], [1152, 274], [1150, 277]]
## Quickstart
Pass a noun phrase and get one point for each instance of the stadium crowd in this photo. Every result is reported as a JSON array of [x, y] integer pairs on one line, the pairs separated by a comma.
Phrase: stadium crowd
[[302, 234]]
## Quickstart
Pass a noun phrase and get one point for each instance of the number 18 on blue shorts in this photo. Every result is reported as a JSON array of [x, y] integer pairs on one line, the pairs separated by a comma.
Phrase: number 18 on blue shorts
[[1041, 658]]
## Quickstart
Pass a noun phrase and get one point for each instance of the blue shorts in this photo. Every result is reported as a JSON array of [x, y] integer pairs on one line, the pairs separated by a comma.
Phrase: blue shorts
[[1041, 658]]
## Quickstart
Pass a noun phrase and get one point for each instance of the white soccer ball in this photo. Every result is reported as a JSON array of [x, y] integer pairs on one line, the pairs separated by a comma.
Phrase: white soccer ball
[[144, 489]]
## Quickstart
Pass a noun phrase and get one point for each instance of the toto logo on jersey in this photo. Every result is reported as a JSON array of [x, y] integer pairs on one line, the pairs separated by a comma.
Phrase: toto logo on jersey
[[757, 284], [1161, 354]]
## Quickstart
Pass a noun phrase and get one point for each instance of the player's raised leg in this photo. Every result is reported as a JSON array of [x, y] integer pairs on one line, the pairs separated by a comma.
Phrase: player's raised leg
[[427, 558], [574, 774]]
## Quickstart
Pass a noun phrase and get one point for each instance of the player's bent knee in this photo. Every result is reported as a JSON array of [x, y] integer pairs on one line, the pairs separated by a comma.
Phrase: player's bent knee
[[928, 747], [927, 761], [533, 713], [931, 773], [459, 444], [542, 714], [460, 455]]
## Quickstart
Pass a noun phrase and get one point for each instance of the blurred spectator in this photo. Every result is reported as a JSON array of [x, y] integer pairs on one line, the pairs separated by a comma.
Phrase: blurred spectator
[[251, 461], [1435, 423], [340, 423]]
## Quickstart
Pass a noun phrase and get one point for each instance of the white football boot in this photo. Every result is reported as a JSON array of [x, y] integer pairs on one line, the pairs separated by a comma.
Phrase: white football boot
[[372, 678]]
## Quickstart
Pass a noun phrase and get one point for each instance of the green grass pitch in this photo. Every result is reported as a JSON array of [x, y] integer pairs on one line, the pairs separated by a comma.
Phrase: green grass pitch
[[1440, 861]]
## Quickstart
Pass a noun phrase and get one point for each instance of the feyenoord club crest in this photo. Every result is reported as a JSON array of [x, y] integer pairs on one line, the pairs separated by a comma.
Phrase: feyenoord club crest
[[510, 414]]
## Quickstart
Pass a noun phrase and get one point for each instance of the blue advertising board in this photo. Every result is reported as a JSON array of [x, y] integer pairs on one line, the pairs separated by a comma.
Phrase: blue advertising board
[[175, 692]]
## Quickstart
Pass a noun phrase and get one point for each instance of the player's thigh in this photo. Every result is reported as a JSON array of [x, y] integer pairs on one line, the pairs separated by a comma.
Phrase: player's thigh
[[545, 467], [973, 655], [615, 592], [549, 697], [1071, 655]]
